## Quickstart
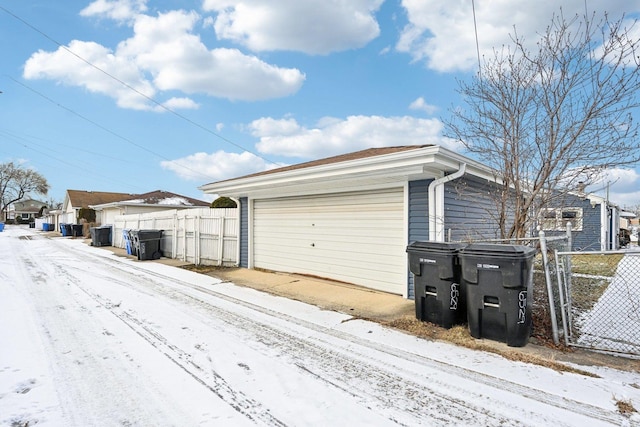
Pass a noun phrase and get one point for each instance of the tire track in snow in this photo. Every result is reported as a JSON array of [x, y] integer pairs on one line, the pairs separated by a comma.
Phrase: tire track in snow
[[295, 344], [215, 383]]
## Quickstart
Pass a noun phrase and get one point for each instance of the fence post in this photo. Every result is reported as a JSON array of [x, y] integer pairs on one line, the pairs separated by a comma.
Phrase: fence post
[[196, 239], [547, 278], [174, 241], [220, 239]]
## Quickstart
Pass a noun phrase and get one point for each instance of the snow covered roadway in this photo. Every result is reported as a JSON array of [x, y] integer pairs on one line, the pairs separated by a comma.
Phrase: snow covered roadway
[[91, 339]]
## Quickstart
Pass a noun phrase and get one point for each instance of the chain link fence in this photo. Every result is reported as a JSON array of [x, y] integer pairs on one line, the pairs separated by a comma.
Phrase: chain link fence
[[599, 296]]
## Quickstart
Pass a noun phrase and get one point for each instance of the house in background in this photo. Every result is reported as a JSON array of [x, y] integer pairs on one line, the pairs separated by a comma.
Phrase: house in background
[[595, 222], [107, 205], [25, 210], [142, 203], [350, 217], [75, 200]]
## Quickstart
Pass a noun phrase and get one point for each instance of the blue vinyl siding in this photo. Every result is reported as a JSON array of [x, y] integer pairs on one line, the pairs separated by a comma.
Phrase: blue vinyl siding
[[418, 219], [419, 210], [587, 238], [244, 233], [468, 210], [468, 205]]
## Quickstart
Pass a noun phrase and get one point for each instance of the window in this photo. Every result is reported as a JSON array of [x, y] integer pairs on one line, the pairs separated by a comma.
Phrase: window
[[556, 219]]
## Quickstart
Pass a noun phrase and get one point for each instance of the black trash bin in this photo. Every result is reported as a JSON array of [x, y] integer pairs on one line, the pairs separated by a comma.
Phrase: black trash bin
[[147, 244], [498, 281], [439, 298], [76, 230], [100, 236]]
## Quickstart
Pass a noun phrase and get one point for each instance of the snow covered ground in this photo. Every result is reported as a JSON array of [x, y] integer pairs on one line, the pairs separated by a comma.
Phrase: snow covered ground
[[91, 339]]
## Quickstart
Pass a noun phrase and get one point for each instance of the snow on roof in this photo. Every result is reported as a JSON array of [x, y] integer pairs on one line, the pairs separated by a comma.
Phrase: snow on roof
[[175, 201]]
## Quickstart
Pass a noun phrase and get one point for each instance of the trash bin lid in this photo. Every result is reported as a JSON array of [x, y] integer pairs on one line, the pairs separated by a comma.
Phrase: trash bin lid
[[432, 246], [498, 250]]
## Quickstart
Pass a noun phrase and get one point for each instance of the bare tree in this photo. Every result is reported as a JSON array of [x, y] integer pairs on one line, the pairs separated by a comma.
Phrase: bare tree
[[16, 182], [550, 121]]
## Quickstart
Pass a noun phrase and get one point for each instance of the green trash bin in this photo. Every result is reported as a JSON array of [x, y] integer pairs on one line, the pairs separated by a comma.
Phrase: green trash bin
[[439, 298], [498, 280]]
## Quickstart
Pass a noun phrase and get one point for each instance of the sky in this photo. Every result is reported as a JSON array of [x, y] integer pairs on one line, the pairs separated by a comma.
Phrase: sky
[[134, 96]]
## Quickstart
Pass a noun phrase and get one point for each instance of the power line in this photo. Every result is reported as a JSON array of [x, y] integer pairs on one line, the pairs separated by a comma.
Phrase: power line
[[475, 28], [127, 140], [164, 107], [21, 141]]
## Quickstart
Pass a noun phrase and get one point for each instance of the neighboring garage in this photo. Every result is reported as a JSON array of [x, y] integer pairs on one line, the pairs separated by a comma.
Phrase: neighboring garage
[[354, 237], [349, 217]]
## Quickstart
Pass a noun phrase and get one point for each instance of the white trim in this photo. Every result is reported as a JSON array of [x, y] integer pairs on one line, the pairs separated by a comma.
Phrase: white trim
[[603, 226], [405, 230], [250, 256], [351, 175]]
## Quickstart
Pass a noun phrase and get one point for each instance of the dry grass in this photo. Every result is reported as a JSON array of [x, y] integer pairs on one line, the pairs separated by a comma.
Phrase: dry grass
[[625, 407], [204, 269], [460, 336]]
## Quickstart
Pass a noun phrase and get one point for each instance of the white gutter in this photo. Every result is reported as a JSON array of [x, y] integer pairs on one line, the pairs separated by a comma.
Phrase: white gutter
[[436, 207]]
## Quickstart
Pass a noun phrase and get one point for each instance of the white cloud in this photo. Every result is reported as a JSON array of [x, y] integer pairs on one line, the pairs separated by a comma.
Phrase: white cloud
[[178, 104], [119, 10], [441, 32], [208, 167], [421, 105], [622, 184], [285, 137], [164, 54], [65, 67], [310, 26]]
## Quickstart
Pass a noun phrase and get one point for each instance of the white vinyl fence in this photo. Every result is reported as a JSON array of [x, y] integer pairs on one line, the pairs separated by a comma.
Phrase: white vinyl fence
[[199, 236]]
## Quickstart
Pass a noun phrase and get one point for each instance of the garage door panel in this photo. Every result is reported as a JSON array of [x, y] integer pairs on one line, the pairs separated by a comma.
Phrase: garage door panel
[[353, 237]]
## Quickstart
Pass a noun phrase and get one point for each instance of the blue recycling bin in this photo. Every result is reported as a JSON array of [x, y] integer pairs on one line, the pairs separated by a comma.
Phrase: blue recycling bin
[[1, 226], [126, 235], [65, 229]]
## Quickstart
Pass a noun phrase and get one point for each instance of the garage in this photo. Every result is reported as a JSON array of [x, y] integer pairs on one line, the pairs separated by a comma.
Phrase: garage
[[355, 237]]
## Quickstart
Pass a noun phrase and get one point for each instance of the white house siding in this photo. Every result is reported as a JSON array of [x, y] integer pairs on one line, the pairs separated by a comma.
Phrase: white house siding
[[354, 237]]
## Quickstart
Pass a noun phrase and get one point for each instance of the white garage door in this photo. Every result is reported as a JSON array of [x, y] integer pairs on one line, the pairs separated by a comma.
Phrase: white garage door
[[352, 237]]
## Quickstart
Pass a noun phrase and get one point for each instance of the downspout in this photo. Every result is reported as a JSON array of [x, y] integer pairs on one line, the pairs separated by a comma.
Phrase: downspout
[[237, 230], [436, 228]]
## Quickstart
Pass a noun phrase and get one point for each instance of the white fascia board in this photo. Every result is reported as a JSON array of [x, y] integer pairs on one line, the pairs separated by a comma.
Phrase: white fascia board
[[398, 167], [145, 205]]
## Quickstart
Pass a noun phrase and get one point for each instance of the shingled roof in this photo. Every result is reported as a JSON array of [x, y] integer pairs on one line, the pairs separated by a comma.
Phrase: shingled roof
[[83, 199]]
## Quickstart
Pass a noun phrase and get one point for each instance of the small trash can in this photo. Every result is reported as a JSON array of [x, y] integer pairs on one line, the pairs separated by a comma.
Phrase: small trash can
[[45, 226], [65, 229], [133, 239], [1, 226], [147, 244], [439, 297], [498, 281], [126, 236], [100, 236], [76, 230]]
